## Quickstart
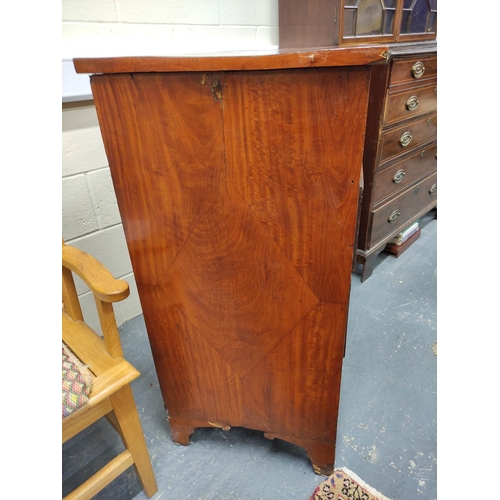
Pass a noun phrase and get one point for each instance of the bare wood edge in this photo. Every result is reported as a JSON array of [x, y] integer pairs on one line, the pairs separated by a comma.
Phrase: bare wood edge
[[231, 61]]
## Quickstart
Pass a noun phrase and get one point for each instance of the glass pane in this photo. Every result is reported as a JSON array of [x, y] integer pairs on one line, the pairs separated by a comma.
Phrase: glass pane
[[349, 22], [416, 17], [432, 22], [405, 22], [389, 4], [369, 20], [389, 21], [350, 3]]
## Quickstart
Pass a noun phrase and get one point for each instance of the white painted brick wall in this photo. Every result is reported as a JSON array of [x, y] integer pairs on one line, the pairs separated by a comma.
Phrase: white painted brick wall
[[169, 12], [90, 218]]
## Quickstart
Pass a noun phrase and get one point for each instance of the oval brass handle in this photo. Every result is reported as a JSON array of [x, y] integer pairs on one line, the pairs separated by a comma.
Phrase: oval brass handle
[[412, 103], [418, 69], [399, 176], [433, 189], [394, 216], [405, 139]]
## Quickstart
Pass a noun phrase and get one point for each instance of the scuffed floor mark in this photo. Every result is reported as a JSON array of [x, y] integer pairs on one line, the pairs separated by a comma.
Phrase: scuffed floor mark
[[373, 455], [435, 348]]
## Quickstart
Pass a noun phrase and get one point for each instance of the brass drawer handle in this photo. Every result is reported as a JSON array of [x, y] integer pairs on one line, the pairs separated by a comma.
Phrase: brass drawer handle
[[418, 70], [394, 216], [433, 188], [405, 139], [412, 103], [399, 176]]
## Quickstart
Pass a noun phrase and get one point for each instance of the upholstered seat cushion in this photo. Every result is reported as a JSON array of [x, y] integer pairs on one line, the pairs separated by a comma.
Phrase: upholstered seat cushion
[[76, 382]]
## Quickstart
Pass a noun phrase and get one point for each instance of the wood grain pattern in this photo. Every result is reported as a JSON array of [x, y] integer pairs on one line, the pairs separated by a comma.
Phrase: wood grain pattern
[[196, 383], [311, 357], [305, 131], [229, 61], [238, 192], [229, 269], [166, 153]]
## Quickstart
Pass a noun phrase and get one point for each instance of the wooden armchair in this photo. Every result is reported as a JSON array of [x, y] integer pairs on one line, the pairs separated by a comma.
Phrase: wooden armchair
[[109, 393]]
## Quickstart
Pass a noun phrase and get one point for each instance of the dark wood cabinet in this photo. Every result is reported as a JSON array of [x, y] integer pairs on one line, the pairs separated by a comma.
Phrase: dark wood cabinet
[[400, 149], [237, 183], [400, 155]]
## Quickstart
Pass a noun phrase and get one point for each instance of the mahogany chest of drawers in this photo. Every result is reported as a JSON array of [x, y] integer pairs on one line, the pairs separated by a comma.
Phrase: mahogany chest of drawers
[[400, 156], [237, 183]]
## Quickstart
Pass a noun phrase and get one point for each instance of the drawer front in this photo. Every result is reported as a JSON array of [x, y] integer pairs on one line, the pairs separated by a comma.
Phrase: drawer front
[[394, 215], [407, 137], [400, 175], [413, 70], [410, 103]]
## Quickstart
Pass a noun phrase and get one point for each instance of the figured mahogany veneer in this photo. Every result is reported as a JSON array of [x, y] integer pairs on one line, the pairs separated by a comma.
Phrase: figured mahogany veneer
[[238, 188]]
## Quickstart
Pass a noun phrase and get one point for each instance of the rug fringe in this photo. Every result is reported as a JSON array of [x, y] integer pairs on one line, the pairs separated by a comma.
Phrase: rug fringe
[[367, 487]]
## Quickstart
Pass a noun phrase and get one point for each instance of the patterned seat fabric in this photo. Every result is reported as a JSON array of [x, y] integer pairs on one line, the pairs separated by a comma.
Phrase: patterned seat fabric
[[76, 382]]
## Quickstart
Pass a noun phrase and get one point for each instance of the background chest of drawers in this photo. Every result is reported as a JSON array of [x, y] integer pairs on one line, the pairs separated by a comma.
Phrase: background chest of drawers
[[400, 156]]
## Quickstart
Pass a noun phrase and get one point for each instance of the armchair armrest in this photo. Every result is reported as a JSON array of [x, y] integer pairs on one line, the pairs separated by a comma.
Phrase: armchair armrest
[[95, 275]]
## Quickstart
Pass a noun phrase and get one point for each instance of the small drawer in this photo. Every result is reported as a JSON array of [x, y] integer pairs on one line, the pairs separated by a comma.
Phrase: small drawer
[[400, 175], [409, 103], [407, 137], [413, 70], [392, 216]]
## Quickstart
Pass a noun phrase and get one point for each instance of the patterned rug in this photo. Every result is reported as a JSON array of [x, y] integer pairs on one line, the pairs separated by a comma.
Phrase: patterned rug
[[345, 485]]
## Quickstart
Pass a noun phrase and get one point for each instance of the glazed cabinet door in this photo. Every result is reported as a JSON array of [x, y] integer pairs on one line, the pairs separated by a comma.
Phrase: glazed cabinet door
[[367, 21], [418, 18], [325, 23]]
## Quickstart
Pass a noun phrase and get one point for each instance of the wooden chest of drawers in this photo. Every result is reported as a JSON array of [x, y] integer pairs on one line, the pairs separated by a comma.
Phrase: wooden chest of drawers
[[238, 187], [400, 156]]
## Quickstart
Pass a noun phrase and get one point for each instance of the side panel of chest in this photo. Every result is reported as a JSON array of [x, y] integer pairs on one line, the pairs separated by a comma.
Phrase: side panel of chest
[[238, 193]]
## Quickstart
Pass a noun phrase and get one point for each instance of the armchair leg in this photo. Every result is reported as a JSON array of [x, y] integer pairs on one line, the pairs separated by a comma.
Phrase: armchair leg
[[129, 424]]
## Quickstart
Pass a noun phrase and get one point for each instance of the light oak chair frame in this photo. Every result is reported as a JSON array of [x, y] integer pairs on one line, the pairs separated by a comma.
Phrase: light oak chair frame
[[110, 395]]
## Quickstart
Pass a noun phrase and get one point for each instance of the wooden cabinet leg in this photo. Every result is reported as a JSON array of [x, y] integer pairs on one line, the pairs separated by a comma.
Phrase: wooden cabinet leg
[[368, 267], [322, 455], [181, 430]]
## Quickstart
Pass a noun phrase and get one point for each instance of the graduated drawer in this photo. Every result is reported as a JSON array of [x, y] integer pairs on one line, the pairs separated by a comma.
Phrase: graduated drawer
[[406, 137], [401, 174], [409, 103], [389, 218], [412, 70]]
